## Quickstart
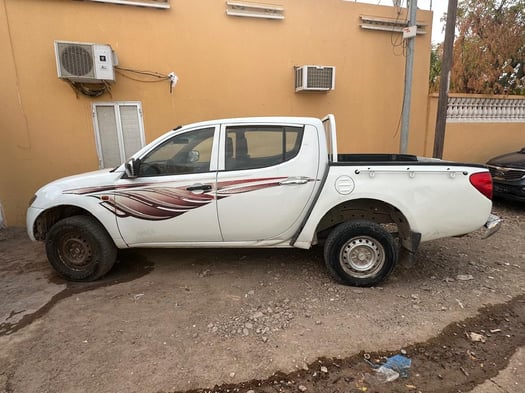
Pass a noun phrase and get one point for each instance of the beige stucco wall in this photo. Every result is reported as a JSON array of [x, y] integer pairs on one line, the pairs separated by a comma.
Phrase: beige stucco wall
[[474, 141], [228, 66]]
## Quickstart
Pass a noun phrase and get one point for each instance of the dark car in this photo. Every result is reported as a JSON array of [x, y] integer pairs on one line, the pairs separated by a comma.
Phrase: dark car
[[508, 175]]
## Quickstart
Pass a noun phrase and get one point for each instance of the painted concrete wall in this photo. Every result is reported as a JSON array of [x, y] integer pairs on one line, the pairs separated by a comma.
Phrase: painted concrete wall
[[474, 141], [228, 66]]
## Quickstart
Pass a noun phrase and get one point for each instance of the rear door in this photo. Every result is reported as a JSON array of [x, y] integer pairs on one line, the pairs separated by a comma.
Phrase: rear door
[[267, 176]]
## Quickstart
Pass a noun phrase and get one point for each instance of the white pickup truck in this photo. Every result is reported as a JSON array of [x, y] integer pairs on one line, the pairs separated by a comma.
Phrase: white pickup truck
[[261, 182]]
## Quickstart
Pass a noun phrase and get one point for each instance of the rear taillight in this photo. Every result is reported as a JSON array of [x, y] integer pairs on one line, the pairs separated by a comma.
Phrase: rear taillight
[[482, 181]]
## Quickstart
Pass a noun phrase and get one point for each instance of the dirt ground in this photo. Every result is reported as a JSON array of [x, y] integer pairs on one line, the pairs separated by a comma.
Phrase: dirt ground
[[262, 320]]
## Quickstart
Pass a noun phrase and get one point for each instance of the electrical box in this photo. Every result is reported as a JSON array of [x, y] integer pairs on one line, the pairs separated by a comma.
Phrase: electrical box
[[85, 62], [314, 78], [409, 32]]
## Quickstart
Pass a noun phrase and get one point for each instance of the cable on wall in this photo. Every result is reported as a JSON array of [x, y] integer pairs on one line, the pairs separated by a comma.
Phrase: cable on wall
[[98, 89], [395, 39], [90, 90], [148, 76]]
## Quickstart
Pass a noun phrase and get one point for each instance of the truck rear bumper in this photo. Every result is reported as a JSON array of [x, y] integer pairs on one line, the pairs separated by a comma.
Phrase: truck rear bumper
[[492, 225]]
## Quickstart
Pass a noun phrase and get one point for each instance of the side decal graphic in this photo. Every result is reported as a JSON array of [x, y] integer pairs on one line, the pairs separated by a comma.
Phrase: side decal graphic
[[159, 201]]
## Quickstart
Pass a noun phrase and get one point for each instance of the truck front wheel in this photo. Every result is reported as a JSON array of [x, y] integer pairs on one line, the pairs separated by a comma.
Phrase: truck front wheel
[[80, 249], [360, 253]]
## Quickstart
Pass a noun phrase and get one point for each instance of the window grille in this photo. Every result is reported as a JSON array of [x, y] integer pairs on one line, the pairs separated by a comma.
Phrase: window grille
[[119, 131]]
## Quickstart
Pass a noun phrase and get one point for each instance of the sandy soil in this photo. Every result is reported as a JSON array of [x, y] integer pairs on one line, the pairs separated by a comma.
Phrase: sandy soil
[[177, 320]]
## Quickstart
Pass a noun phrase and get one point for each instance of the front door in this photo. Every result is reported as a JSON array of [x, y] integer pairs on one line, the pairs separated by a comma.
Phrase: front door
[[173, 198]]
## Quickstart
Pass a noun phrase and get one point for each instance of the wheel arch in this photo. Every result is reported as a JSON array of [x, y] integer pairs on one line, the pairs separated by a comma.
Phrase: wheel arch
[[374, 210], [51, 216]]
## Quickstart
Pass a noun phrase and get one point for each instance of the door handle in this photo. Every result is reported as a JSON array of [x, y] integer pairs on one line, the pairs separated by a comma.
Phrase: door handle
[[294, 180], [199, 187]]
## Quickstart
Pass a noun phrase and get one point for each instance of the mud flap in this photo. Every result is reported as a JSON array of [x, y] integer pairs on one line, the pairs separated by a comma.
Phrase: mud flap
[[408, 248]]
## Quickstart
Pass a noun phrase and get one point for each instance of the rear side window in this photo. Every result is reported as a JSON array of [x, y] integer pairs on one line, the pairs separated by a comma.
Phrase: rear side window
[[251, 147]]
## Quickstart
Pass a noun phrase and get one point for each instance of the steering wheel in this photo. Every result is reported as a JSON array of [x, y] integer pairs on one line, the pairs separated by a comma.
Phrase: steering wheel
[[149, 169]]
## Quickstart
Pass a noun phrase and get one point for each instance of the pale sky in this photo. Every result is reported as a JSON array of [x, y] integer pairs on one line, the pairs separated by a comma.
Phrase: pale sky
[[438, 6]]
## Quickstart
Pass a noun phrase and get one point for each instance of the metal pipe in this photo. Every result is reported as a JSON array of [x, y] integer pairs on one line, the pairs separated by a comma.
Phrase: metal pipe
[[409, 72]]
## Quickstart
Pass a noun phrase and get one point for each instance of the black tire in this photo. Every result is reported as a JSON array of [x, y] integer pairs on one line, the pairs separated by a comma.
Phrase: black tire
[[80, 249], [360, 253]]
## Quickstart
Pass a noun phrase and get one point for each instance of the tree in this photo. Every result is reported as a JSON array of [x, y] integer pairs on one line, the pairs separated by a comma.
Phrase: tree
[[435, 67], [489, 51]]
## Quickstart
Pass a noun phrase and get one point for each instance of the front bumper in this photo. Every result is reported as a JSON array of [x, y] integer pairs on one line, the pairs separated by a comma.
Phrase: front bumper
[[31, 216], [492, 225]]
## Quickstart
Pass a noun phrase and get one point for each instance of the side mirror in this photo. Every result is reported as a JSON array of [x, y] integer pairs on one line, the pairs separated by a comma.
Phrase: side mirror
[[193, 156], [132, 168]]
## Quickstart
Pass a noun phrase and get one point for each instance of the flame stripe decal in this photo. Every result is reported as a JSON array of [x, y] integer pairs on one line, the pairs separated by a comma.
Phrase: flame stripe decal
[[158, 201]]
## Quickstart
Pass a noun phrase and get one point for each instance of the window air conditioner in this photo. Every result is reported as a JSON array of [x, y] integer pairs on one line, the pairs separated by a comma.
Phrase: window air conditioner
[[314, 77], [85, 62]]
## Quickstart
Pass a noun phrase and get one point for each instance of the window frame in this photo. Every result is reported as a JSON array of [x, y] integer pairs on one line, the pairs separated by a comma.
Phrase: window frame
[[212, 167], [283, 126]]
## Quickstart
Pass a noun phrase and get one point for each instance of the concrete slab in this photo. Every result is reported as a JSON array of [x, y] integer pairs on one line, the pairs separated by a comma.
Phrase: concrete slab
[[509, 380]]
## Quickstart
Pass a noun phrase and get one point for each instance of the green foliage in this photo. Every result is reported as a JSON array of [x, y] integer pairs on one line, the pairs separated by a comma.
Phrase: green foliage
[[435, 68], [489, 51]]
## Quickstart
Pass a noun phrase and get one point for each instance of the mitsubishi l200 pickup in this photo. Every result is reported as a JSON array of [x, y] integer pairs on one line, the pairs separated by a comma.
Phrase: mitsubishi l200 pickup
[[261, 182]]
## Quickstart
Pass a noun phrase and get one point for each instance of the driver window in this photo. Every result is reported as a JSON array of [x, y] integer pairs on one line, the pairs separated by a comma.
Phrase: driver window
[[185, 153]]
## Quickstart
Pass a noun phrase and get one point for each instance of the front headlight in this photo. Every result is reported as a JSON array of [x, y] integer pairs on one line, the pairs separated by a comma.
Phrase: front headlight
[[32, 200]]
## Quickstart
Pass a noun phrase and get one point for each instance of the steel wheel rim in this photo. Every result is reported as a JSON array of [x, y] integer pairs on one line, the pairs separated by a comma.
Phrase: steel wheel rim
[[362, 256], [75, 251]]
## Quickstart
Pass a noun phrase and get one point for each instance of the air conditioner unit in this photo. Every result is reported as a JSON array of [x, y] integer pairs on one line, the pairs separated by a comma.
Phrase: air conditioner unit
[[85, 62], [314, 77]]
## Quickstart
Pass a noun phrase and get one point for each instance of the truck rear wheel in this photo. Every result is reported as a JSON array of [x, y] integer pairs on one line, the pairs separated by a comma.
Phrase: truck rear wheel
[[80, 249], [360, 253]]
